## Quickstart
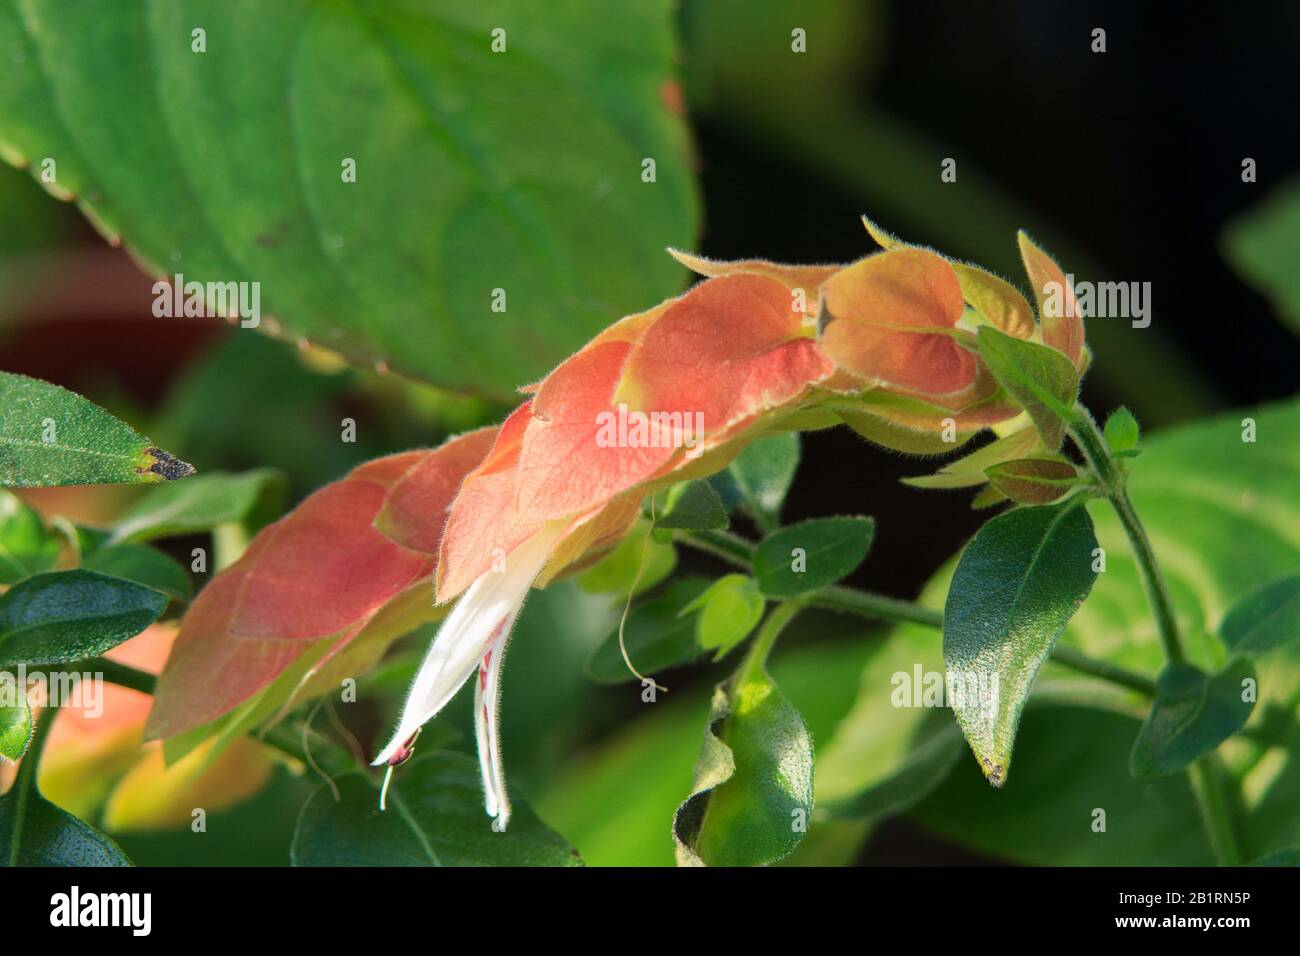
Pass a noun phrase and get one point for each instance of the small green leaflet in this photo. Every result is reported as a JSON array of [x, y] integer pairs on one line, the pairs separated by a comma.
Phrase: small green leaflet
[[50, 436], [15, 719], [1192, 715], [812, 554], [760, 477], [693, 506], [1122, 433], [728, 611], [1041, 379]]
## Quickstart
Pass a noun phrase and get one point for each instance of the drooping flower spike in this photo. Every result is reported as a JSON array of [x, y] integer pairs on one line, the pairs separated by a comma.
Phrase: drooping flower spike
[[886, 344]]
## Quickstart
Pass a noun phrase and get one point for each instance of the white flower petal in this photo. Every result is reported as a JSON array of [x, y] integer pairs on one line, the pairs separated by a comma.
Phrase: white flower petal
[[487, 704], [483, 616]]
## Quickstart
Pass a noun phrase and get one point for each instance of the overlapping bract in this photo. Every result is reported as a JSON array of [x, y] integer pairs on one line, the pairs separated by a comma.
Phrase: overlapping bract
[[886, 344]]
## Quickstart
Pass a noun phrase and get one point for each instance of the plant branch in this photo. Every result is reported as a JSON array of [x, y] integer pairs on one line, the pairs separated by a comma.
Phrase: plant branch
[[1206, 780], [736, 551]]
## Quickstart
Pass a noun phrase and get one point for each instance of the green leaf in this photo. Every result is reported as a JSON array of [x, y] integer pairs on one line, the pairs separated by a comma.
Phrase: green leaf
[[475, 170], [812, 554], [752, 792], [1286, 857], [636, 564], [50, 436], [760, 476], [1041, 379], [1264, 619], [729, 609], [62, 616], [201, 504], [656, 634], [34, 832], [434, 818], [1192, 714], [1122, 432], [26, 546], [1264, 246], [693, 506], [1034, 481], [1017, 584], [15, 719], [143, 565]]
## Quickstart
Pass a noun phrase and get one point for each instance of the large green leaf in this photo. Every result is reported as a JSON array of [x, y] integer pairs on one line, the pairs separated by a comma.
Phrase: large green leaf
[[1017, 584], [50, 436], [62, 616], [1223, 518], [202, 503], [811, 554], [26, 546], [434, 818], [475, 170], [1041, 379], [48, 836], [752, 793]]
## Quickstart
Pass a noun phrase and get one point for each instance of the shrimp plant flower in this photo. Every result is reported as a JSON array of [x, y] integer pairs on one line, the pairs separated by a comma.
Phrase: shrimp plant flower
[[888, 345]]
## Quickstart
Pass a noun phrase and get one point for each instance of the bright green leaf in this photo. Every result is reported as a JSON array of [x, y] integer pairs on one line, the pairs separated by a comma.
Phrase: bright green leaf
[[382, 183], [693, 506], [143, 565], [729, 609], [27, 547], [812, 554], [656, 635], [636, 564], [50, 436], [1017, 584], [1192, 714], [1264, 619], [201, 504], [1041, 379], [15, 719], [1122, 432], [434, 818], [62, 616]]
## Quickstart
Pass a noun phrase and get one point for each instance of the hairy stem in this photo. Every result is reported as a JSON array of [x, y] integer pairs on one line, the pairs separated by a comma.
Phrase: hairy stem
[[1207, 782]]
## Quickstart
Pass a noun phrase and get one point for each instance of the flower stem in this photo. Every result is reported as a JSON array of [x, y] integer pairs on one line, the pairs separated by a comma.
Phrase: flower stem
[[736, 551], [765, 639], [1207, 782]]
